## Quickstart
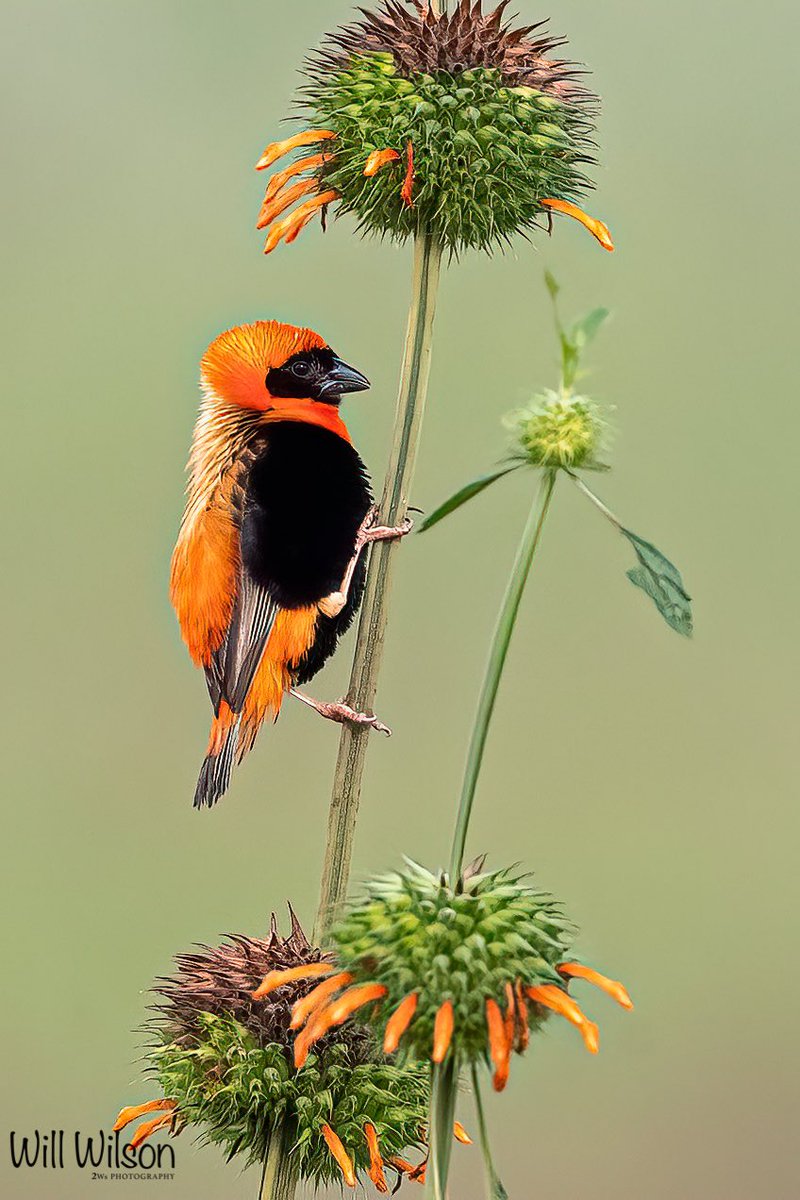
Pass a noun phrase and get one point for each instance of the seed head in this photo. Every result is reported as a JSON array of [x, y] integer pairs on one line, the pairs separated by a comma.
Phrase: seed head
[[460, 124], [557, 430], [222, 1054]]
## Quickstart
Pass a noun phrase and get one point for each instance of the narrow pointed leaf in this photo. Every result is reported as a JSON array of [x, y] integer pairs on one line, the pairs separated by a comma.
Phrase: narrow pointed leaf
[[552, 285], [464, 494], [661, 581], [585, 330]]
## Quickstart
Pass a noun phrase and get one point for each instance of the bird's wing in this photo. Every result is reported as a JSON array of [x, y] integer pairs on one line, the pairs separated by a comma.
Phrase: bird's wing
[[234, 665]]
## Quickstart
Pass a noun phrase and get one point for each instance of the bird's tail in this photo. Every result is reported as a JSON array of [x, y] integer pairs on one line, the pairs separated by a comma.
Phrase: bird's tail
[[222, 753]]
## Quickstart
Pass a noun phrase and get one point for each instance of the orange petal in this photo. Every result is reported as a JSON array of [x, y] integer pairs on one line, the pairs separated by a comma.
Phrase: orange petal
[[510, 1018], [378, 159], [399, 1022], [596, 228], [375, 1161], [271, 209], [290, 226], [553, 997], [353, 999], [276, 979], [281, 178], [149, 1128], [340, 1154], [442, 1031], [591, 1036], [400, 1164], [523, 1032], [611, 987], [276, 150], [407, 190], [460, 1134], [498, 1044], [303, 1008], [138, 1110], [317, 1027]]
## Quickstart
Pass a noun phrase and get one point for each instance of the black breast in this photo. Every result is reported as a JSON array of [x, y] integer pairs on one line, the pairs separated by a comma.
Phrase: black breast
[[306, 496]]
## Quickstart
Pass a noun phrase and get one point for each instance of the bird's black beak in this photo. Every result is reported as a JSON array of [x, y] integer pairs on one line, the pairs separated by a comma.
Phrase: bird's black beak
[[342, 378]]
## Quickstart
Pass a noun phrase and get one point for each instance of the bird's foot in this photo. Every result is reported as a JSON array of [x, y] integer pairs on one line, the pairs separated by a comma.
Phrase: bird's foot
[[342, 713], [371, 531]]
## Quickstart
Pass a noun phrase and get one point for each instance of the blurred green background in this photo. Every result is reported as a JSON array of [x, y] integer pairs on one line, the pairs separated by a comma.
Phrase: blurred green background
[[648, 780]]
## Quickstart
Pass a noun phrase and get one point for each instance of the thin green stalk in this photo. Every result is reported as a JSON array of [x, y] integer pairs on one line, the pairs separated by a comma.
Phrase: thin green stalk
[[494, 1188], [444, 1085], [374, 610], [494, 668]]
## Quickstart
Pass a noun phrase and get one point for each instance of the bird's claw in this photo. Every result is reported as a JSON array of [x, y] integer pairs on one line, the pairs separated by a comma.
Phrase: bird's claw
[[343, 714], [370, 531]]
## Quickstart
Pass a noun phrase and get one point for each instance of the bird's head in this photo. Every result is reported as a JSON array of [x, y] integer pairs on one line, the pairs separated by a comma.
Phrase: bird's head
[[274, 368]]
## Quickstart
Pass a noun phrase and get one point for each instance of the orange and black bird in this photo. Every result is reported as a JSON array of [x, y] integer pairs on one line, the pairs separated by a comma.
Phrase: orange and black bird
[[268, 569]]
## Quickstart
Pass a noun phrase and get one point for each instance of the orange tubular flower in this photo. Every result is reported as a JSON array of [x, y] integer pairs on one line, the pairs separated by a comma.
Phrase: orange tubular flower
[[316, 998], [133, 1112], [523, 1030], [273, 208], [498, 1044], [510, 1019], [276, 150], [290, 226], [399, 1022], [553, 997], [442, 1032], [341, 1156], [378, 159], [596, 228], [612, 987], [460, 1134], [407, 190], [336, 1013], [375, 1161], [353, 999], [281, 178], [149, 1128], [276, 979]]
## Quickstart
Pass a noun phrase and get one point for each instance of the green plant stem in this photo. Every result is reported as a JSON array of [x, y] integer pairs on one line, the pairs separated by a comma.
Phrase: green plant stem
[[374, 611], [494, 668], [444, 1085], [278, 1178], [494, 1188]]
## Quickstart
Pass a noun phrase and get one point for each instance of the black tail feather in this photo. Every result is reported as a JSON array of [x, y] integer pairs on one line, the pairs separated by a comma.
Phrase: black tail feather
[[215, 773]]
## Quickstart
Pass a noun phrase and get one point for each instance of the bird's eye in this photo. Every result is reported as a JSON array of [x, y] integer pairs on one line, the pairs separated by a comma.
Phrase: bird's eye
[[301, 369]]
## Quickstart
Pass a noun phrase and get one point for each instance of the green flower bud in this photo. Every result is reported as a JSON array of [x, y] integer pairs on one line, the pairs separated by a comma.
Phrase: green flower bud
[[555, 430]]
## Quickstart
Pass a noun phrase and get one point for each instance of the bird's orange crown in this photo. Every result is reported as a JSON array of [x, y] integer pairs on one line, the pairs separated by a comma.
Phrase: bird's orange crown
[[235, 366], [280, 371]]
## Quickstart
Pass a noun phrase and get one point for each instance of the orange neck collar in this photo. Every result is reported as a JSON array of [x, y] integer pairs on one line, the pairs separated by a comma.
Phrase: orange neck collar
[[309, 412]]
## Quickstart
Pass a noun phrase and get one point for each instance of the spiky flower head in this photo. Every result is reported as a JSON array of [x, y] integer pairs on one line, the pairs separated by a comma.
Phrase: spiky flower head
[[456, 123], [466, 971], [557, 429], [222, 1055]]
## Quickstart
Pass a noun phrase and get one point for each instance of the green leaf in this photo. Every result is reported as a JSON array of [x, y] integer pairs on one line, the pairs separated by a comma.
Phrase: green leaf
[[552, 285], [662, 582], [498, 1191], [464, 494], [585, 331]]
